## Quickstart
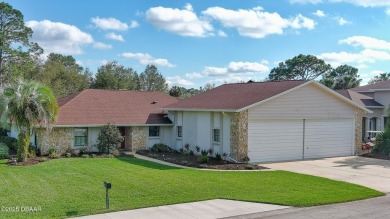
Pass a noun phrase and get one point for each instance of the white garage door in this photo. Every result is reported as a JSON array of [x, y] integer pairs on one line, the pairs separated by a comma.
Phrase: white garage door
[[275, 140], [328, 138], [278, 140]]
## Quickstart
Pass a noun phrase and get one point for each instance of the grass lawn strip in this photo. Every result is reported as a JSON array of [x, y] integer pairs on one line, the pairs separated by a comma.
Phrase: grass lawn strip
[[74, 187]]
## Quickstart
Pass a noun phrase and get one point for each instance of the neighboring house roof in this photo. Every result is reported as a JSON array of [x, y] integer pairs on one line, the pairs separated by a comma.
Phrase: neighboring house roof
[[241, 96], [360, 99], [383, 85], [98, 107]]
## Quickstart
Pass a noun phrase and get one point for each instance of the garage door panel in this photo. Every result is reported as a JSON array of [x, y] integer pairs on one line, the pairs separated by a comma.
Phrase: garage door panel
[[327, 138], [271, 140]]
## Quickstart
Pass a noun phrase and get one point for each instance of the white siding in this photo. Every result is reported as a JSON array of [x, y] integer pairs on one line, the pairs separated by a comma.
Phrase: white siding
[[226, 134], [204, 130], [306, 102], [382, 97]]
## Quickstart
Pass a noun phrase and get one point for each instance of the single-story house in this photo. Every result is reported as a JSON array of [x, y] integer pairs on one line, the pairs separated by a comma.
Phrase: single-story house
[[270, 121], [375, 97], [137, 114], [262, 121]]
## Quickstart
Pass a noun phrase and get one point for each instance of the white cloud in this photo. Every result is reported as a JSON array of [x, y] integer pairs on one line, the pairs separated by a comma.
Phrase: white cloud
[[194, 75], [366, 42], [147, 59], [222, 33], [302, 22], [56, 37], [114, 36], [133, 24], [341, 21], [177, 80], [319, 13], [255, 22], [109, 24], [305, 1], [366, 3], [387, 11], [183, 22], [100, 45], [214, 71], [364, 56], [242, 67]]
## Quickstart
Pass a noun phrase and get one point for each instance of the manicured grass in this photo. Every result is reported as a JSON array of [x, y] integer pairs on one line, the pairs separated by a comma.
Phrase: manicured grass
[[74, 187]]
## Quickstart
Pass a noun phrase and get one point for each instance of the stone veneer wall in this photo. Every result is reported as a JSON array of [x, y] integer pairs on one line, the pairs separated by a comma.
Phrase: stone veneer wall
[[358, 131], [136, 138], [59, 138], [239, 135]]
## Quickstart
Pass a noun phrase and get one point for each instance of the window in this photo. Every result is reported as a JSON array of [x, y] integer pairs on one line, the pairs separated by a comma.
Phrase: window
[[154, 131], [179, 131], [216, 135], [80, 136]]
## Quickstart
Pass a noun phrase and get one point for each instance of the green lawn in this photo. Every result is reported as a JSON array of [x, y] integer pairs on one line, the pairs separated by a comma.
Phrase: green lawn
[[74, 187]]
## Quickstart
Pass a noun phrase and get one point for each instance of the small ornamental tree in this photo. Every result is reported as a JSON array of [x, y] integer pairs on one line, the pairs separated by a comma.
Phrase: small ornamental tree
[[109, 138]]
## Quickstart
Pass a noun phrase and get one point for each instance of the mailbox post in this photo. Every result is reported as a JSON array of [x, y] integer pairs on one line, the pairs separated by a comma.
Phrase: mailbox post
[[107, 185]]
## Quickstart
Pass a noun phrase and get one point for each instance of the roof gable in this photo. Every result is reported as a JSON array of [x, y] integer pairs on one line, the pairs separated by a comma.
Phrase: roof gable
[[98, 107]]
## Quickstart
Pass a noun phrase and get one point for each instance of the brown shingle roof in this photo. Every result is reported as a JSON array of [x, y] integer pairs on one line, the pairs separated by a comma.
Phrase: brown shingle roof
[[98, 107], [235, 96], [368, 87], [359, 98]]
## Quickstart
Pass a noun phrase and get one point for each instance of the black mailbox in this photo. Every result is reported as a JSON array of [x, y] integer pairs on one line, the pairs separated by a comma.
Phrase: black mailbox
[[107, 185]]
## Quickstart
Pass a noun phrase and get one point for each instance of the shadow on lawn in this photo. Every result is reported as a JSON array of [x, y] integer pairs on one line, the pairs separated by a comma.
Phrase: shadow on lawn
[[147, 164]]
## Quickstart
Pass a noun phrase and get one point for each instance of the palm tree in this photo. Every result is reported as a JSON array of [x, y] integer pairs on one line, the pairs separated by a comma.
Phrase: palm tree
[[27, 105]]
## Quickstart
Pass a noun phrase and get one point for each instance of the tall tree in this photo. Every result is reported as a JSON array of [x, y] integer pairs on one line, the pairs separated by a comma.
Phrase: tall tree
[[152, 80], [301, 67], [63, 75], [115, 76], [15, 45], [206, 87], [381, 77], [27, 104], [175, 91], [342, 77]]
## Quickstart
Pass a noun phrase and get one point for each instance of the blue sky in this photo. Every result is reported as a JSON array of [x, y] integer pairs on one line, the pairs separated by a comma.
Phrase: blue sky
[[198, 42]]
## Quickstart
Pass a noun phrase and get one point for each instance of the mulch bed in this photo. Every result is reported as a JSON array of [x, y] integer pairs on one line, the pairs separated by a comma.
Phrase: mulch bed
[[192, 161]]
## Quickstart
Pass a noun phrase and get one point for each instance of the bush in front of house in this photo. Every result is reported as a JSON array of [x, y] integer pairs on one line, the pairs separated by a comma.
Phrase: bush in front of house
[[4, 151], [160, 148], [12, 143], [109, 139], [203, 159]]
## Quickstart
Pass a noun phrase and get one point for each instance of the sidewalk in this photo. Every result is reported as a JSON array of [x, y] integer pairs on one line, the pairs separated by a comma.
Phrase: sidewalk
[[216, 208]]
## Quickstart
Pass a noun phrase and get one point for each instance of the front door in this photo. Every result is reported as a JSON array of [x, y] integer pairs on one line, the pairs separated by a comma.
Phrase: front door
[[122, 130]]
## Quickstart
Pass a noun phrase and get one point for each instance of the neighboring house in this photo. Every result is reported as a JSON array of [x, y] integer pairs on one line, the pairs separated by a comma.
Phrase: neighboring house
[[270, 121], [375, 97], [81, 116]]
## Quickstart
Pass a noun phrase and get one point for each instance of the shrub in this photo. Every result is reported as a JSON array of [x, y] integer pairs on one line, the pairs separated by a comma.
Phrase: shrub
[[32, 151], [191, 153], [204, 153], [109, 139], [68, 155], [52, 152], [85, 156], [218, 156], [4, 151], [203, 159], [181, 151], [12, 143], [93, 155], [211, 151], [110, 156], [160, 148]]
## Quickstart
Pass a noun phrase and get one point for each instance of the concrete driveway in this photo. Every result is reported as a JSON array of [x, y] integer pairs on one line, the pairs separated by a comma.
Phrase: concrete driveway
[[369, 172]]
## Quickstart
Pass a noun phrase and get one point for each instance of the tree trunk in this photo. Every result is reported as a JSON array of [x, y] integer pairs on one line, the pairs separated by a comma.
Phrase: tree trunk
[[23, 144]]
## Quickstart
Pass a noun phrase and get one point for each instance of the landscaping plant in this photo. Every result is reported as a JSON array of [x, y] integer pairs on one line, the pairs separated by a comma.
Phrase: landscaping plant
[[109, 138]]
